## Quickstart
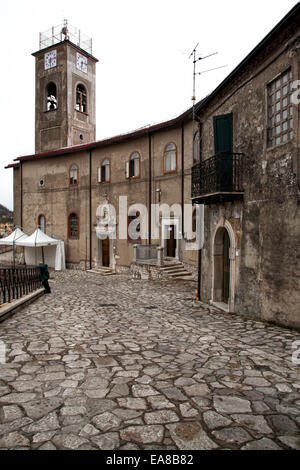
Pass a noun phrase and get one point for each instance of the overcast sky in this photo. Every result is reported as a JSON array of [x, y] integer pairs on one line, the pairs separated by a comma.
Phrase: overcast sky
[[143, 75]]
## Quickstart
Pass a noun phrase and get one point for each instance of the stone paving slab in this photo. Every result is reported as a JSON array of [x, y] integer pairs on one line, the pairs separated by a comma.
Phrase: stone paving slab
[[115, 363]]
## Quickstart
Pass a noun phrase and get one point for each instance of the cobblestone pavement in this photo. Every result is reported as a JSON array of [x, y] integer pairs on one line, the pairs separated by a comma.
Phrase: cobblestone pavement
[[114, 363]]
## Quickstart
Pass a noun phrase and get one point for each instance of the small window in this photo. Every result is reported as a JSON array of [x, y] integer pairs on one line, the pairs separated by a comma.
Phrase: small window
[[104, 172], [133, 166], [280, 127], [51, 102], [196, 148], [81, 99], [170, 159], [42, 223], [134, 227], [73, 226], [73, 175]]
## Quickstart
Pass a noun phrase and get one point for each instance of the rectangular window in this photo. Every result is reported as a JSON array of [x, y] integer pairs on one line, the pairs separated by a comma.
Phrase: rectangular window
[[73, 226], [280, 109]]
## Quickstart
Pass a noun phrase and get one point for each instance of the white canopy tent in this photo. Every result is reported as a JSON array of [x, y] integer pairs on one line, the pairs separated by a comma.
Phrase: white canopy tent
[[40, 247], [15, 236], [11, 240]]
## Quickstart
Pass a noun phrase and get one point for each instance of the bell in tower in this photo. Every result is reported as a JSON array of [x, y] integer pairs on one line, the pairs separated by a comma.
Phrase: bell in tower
[[65, 81]]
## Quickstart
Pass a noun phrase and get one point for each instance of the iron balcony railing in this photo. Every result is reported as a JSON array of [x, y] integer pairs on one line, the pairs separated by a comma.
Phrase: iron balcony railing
[[14, 283], [222, 173]]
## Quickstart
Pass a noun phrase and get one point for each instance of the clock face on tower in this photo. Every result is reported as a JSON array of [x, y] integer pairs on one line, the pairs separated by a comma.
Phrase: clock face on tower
[[81, 62], [50, 59]]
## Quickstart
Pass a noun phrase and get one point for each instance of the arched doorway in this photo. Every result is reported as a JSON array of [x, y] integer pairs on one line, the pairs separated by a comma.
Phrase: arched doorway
[[222, 266]]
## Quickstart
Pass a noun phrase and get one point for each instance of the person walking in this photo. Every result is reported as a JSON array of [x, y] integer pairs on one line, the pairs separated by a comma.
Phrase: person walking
[[44, 276]]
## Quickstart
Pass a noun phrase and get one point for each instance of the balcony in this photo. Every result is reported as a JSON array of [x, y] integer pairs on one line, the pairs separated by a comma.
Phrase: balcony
[[218, 179]]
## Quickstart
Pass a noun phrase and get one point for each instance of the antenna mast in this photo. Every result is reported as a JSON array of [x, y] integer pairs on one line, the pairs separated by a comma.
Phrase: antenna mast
[[195, 60]]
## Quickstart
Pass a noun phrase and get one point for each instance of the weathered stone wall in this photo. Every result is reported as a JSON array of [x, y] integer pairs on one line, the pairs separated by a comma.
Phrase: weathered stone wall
[[62, 127], [267, 227], [56, 199]]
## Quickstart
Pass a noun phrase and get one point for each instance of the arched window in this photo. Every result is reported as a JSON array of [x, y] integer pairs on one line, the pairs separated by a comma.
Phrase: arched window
[[81, 99], [170, 158], [134, 227], [104, 172], [51, 98], [196, 148], [42, 223], [133, 166], [73, 175], [73, 226]]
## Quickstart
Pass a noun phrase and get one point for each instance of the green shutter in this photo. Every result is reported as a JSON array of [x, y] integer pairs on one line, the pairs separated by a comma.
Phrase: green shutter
[[223, 133], [223, 136]]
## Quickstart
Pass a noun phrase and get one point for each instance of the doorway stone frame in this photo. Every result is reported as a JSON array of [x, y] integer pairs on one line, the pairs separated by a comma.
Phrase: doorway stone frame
[[224, 223], [165, 223], [99, 262]]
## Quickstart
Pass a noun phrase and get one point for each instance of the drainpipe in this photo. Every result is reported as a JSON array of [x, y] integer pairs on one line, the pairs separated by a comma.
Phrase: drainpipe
[[199, 251], [21, 195], [182, 186], [90, 191], [150, 188], [199, 273]]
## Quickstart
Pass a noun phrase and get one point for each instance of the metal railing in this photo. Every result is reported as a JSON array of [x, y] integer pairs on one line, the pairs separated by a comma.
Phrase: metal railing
[[14, 283], [146, 252], [221, 173], [64, 31]]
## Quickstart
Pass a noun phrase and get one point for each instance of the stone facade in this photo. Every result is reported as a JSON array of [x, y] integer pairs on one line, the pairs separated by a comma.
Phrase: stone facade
[[262, 224], [64, 125], [264, 228]]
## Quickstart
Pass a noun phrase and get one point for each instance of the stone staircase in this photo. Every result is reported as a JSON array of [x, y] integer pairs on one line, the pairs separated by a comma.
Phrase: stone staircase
[[102, 270], [175, 270]]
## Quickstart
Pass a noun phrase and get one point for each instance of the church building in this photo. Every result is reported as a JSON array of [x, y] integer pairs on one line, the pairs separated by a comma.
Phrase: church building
[[236, 153]]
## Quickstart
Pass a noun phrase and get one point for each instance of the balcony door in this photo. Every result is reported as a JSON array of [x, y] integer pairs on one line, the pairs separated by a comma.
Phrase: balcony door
[[223, 136]]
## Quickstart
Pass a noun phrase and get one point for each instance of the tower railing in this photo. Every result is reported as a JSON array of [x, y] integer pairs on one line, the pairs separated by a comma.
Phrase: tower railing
[[62, 32]]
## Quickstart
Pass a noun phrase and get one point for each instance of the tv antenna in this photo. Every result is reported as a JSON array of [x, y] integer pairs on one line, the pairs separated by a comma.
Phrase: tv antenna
[[196, 59]]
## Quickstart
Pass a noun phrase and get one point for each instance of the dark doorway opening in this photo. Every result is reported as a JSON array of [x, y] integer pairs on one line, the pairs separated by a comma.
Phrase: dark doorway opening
[[222, 266], [105, 252], [226, 267], [171, 242]]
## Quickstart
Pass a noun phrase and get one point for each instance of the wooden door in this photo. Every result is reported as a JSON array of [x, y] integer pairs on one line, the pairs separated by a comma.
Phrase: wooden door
[[105, 252], [226, 267], [171, 242]]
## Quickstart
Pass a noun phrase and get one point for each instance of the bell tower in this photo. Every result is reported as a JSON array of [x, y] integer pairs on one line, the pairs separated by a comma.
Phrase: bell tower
[[65, 83]]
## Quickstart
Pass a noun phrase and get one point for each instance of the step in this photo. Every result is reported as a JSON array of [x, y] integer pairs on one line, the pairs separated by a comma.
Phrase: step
[[101, 272], [171, 267], [179, 270], [186, 278], [184, 273], [102, 268]]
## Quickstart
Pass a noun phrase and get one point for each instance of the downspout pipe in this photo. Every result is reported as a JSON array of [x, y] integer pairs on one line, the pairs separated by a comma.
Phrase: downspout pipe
[[150, 187], [90, 206], [182, 183], [199, 251], [21, 195]]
